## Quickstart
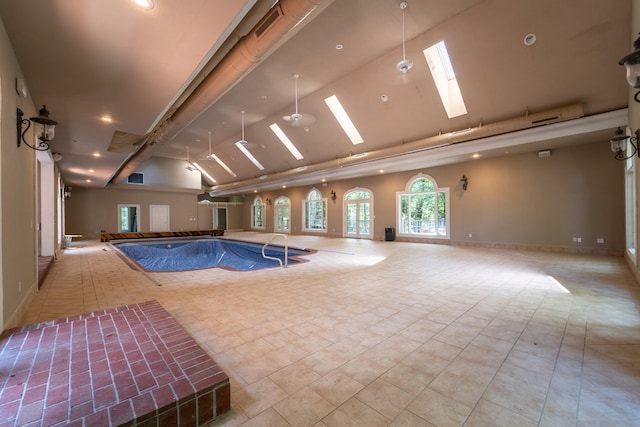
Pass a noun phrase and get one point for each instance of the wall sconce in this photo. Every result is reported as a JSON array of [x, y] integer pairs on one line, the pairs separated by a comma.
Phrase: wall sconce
[[67, 192], [44, 128], [464, 181], [619, 144], [333, 195], [632, 64], [268, 201]]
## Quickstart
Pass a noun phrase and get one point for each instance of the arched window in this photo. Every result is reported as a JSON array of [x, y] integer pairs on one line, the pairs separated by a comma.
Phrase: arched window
[[314, 210], [282, 215], [257, 214], [422, 209]]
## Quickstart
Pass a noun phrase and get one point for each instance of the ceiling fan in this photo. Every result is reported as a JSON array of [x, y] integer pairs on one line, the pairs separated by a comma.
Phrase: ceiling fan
[[297, 118], [210, 156], [405, 64], [189, 166], [243, 141]]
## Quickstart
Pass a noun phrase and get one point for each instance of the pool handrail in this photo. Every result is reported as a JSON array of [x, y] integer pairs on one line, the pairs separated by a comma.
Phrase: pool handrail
[[286, 249]]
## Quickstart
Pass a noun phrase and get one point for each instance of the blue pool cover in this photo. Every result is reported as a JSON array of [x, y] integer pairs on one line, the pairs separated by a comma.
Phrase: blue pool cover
[[199, 254]]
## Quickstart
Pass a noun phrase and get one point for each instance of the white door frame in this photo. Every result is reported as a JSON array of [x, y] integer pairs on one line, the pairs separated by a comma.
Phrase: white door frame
[[128, 205]]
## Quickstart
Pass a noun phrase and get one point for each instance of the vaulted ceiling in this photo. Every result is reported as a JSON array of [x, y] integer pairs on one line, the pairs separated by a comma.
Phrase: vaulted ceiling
[[170, 76]]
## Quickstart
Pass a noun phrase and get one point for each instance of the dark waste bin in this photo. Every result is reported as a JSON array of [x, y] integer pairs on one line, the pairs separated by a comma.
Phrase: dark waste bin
[[390, 234]]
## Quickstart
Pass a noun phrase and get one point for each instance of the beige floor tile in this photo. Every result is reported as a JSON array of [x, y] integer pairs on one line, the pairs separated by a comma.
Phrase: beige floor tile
[[487, 414], [304, 408], [467, 336], [385, 398], [294, 377], [354, 413], [439, 410], [337, 387]]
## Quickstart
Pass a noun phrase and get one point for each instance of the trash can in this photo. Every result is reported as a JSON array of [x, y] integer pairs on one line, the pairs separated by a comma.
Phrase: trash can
[[389, 234]]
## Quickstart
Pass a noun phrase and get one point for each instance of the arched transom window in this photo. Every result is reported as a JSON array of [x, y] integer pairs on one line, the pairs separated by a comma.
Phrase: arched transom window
[[423, 209], [257, 213], [314, 212]]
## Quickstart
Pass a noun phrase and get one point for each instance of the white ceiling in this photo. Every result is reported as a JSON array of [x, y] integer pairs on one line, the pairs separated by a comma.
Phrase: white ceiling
[[85, 59]]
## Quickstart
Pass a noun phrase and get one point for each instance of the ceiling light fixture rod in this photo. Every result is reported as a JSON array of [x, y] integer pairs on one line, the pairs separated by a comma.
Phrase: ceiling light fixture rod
[[295, 89], [242, 121]]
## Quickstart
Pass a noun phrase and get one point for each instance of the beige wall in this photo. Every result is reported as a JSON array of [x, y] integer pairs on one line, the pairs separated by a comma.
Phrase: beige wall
[[18, 195], [89, 210], [520, 200]]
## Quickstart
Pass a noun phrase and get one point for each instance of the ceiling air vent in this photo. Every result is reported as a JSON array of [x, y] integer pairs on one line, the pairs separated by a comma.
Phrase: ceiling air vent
[[268, 20], [135, 178]]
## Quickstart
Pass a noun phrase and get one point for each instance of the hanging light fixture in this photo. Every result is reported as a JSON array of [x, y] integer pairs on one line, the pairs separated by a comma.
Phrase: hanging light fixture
[[44, 127], [632, 64], [406, 64], [619, 144]]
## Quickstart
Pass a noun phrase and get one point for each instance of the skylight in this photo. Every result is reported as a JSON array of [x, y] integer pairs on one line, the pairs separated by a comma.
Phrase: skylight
[[286, 141], [203, 172], [246, 152], [343, 118], [445, 79], [221, 163]]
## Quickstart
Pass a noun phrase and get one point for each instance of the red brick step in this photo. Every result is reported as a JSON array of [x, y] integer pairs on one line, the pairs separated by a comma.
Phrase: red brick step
[[130, 365]]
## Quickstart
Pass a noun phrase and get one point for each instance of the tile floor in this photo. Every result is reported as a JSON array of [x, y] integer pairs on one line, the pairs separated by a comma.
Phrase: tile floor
[[390, 333]]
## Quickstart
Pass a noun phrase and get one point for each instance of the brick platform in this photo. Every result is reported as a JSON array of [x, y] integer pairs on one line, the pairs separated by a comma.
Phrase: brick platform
[[131, 365]]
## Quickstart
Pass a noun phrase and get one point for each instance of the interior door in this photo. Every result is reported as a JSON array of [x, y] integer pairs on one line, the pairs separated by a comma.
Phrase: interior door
[[128, 218], [159, 218], [220, 218]]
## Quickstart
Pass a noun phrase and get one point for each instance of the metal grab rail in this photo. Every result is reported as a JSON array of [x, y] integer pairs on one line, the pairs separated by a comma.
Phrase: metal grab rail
[[286, 249]]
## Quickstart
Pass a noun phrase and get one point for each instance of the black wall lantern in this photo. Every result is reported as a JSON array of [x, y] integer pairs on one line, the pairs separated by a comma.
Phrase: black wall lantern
[[333, 195], [464, 181], [632, 64], [44, 128], [619, 144]]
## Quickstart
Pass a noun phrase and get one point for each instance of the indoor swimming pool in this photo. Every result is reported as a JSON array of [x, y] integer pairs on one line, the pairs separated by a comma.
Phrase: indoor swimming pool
[[177, 255]]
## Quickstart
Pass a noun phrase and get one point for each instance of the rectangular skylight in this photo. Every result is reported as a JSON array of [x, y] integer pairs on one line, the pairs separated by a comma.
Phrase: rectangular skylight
[[343, 118], [286, 141], [445, 79], [221, 163], [203, 172], [249, 155]]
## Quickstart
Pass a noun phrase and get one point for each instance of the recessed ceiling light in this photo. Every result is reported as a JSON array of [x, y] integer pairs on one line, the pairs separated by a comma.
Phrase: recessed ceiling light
[[87, 180], [145, 4], [91, 171], [530, 39], [475, 156], [339, 46], [106, 119], [96, 154]]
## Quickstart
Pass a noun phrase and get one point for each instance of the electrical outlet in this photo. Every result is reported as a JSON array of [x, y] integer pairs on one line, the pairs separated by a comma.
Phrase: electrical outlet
[[600, 240], [470, 235]]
